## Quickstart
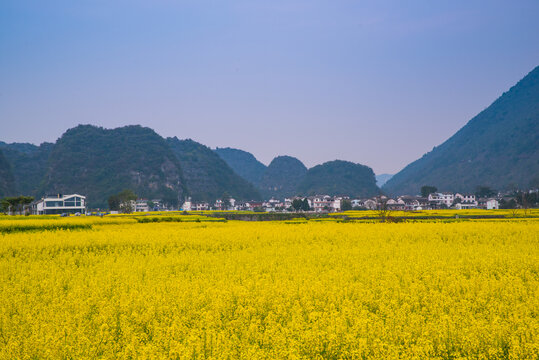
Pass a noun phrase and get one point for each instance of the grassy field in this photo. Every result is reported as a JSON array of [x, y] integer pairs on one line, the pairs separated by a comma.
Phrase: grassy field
[[299, 289]]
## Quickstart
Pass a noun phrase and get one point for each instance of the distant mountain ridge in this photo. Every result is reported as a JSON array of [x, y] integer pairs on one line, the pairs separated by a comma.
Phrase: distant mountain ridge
[[28, 164], [381, 179], [99, 162], [286, 176], [207, 176], [339, 177], [282, 177], [498, 148], [243, 163], [7, 181]]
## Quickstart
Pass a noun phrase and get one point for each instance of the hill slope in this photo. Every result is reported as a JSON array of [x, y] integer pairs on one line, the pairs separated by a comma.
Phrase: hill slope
[[7, 183], [208, 176], [29, 165], [339, 178], [382, 179], [99, 162], [282, 177], [497, 148], [243, 163]]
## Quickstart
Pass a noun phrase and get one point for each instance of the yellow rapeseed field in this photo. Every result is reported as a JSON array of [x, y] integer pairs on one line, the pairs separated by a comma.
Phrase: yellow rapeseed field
[[270, 290]]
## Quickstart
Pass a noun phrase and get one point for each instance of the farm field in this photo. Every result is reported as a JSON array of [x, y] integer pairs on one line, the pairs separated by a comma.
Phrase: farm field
[[201, 288]]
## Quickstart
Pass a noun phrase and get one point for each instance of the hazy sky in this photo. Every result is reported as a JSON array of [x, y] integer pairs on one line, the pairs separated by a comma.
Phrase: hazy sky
[[374, 82]]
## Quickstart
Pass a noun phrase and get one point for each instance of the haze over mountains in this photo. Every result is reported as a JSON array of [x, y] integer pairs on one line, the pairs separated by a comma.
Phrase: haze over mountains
[[497, 148]]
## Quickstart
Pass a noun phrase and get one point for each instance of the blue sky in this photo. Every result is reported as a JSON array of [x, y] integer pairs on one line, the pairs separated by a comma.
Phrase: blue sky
[[374, 82]]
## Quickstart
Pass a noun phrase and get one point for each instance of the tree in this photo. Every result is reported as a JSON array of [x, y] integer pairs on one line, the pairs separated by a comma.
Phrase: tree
[[526, 200], [297, 204], [226, 200], [16, 204], [484, 191], [508, 204], [456, 201], [426, 190], [305, 205], [382, 208], [123, 201], [114, 202], [346, 205]]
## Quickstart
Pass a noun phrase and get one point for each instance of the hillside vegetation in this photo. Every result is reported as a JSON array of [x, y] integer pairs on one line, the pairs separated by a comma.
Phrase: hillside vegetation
[[7, 182], [207, 176], [339, 178], [282, 177], [497, 148], [100, 162], [243, 163], [29, 165]]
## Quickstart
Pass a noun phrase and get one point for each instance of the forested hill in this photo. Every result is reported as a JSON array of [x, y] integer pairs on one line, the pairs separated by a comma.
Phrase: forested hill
[[7, 183], [498, 148], [243, 163], [28, 163], [208, 177], [282, 177], [339, 178], [99, 162]]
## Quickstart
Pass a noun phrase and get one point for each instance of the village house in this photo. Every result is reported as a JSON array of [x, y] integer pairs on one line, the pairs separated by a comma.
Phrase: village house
[[442, 199], [492, 204], [488, 203], [141, 205], [320, 203], [60, 204]]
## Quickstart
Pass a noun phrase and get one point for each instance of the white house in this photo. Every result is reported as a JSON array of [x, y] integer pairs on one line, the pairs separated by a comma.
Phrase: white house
[[370, 204], [141, 205], [60, 204], [464, 206], [321, 203], [466, 198], [187, 205], [446, 199], [492, 204]]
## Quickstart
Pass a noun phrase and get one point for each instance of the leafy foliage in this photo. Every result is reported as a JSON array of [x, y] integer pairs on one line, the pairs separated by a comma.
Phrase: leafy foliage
[[207, 175], [426, 190], [122, 201], [339, 178], [15, 204], [497, 148]]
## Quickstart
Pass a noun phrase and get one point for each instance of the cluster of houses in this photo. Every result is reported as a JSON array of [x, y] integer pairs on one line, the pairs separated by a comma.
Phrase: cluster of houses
[[326, 203], [76, 204], [442, 200]]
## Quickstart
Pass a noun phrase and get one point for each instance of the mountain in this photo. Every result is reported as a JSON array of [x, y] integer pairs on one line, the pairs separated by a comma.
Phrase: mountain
[[382, 179], [498, 148], [243, 163], [339, 178], [99, 162], [7, 182], [28, 163], [282, 177], [208, 176]]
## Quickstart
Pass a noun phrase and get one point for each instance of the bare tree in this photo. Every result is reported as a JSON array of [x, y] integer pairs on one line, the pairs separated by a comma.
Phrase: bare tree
[[382, 208]]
